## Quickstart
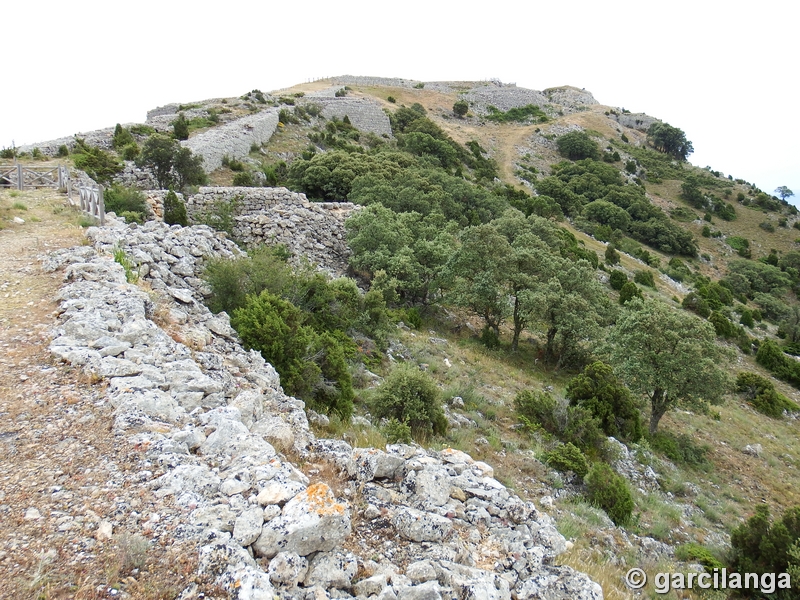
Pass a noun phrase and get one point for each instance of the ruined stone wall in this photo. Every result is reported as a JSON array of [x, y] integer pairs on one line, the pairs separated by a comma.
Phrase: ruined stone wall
[[365, 115], [214, 429], [313, 230], [233, 139]]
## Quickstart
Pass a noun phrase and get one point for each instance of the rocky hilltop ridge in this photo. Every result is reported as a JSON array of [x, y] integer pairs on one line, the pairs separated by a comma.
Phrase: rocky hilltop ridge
[[219, 438]]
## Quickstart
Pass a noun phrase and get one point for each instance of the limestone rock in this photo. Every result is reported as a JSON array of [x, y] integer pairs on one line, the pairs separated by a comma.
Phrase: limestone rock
[[332, 570], [287, 569], [420, 526], [247, 527], [312, 521]]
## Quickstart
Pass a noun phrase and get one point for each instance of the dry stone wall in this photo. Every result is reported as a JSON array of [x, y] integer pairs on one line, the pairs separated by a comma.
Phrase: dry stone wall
[[638, 121], [570, 97], [278, 216], [100, 137], [233, 139], [502, 97], [365, 115], [213, 424]]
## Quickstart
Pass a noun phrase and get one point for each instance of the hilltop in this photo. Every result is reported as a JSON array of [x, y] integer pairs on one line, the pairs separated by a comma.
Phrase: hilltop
[[357, 154]]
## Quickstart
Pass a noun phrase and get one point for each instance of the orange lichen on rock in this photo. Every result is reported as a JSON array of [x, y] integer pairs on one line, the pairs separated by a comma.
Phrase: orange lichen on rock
[[320, 500]]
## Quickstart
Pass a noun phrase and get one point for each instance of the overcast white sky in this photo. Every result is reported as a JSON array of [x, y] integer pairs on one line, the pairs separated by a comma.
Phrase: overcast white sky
[[726, 73]]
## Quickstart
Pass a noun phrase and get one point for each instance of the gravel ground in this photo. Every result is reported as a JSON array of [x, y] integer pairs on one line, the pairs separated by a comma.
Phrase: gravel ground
[[76, 520]]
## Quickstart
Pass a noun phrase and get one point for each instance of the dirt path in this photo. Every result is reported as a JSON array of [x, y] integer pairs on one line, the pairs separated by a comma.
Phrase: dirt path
[[74, 520]]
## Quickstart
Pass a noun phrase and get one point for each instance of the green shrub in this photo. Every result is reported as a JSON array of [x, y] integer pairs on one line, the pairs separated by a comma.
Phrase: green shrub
[[692, 552], [397, 432], [96, 162], [697, 304], [612, 256], [170, 163], [617, 279], [180, 128], [628, 292], [63, 151], [411, 397], [219, 215], [740, 244], [130, 151], [609, 491], [706, 231], [122, 258], [762, 395], [122, 137], [772, 358], [312, 366], [575, 424], [174, 210], [244, 179], [747, 318], [722, 325], [645, 278], [232, 280], [460, 108], [489, 338], [392, 99], [681, 449], [120, 199], [606, 397], [767, 226], [577, 145], [232, 163], [567, 457], [132, 216], [520, 114], [142, 130], [761, 546]]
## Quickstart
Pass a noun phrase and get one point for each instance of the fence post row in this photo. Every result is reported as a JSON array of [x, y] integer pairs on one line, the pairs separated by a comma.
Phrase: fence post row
[[92, 203]]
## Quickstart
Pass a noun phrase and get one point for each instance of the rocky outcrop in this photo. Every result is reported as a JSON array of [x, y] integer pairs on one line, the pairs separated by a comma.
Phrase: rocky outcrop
[[210, 421]]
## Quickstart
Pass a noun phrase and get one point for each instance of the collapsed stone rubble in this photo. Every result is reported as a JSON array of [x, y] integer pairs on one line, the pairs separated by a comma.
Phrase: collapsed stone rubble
[[220, 438]]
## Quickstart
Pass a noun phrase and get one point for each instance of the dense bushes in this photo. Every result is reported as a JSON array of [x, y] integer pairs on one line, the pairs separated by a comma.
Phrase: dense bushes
[[772, 358], [98, 164], [174, 210], [568, 457], [577, 145], [540, 411], [126, 202], [681, 449], [607, 398], [301, 322], [578, 186], [520, 114], [760, 546], [609, 491], [410, 396], [761, 393]]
